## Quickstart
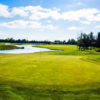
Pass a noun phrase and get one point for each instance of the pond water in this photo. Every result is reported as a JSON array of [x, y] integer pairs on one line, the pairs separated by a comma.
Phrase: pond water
[[27, 49]]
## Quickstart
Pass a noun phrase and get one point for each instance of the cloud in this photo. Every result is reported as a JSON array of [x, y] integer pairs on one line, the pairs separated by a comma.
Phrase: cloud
[[69, 6], [1, 33], [79, 3], [85, 22], [26, 36], [41, 29], [4, 11], [49, 21], [21, 24], [41, 1], [34, 9], [33, 12], [51, 27], [55, 15], [98, 26], [56, 9], [37, 13], [75, 4], [22, 35], [93, 18], [19, 11], [74, 28], [77, 15]]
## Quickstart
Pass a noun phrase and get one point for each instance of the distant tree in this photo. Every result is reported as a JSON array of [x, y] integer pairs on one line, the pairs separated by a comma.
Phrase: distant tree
[[91, 40], [68, 42], [72, 41], [64, 42], [80, 42], [98, 41], [24, 41], [57, 42], [83, 41], [11, 40], [19, 40]]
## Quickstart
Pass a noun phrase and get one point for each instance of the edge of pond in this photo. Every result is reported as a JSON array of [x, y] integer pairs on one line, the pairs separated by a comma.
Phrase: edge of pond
[[29, 52]]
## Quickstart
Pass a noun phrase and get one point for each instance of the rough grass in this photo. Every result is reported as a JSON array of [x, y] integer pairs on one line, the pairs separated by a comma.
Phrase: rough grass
[[7, 47], [51, 75]]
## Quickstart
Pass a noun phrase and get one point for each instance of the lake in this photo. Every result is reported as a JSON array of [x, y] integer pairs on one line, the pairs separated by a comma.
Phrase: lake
[[27, 49]]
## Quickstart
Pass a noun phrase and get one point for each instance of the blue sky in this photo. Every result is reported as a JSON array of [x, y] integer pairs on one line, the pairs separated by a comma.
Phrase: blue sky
[[48, 19]]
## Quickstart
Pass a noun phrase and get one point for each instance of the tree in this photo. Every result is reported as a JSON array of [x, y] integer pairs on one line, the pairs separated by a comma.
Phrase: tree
[[92, 40], [98, 41], [72, 41], [68, 42], [83, 41], [79, 41]]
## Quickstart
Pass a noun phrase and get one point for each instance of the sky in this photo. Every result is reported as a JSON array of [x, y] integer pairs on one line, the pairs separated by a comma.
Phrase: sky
[[48, 19]]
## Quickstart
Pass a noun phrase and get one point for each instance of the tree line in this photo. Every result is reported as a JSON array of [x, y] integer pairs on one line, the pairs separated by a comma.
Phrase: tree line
[[88, 41], [11, 40]]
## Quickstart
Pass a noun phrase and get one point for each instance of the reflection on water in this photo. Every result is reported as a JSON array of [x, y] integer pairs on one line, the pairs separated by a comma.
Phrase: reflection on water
[[27, 49]]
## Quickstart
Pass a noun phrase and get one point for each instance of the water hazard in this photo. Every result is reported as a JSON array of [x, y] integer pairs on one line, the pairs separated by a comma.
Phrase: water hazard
[[27, 49]]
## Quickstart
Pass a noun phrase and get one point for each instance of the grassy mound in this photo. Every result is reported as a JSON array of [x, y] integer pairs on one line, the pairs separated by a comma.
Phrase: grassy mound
[[51, 75], [8, 47]]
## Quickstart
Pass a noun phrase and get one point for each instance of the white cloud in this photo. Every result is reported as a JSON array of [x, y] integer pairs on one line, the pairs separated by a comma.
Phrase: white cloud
[[49, 21], [19, 11], [55, 15], [32, 37], [93, 18], [22, 35], [26, 36], [34, 12], [56, 9], [69, 6], [77, 15], [1, 33], [75, 4], [97, 18], [85, 22], [38, 13], [79, 3], [51, 27], [21, 24], [74, 28], [98, 26], [41, 29], [4, 11], [34, 9], [71, 15]]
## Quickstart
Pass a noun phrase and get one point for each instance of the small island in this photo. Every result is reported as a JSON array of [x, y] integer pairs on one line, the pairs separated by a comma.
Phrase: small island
[[4, 46]]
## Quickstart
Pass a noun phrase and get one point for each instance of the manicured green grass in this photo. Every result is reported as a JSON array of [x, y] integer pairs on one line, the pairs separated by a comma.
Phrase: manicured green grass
[[71, 50], [51, 75]]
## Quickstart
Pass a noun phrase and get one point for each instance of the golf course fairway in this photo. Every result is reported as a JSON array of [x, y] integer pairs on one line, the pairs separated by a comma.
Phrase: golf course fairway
[[51, 75]]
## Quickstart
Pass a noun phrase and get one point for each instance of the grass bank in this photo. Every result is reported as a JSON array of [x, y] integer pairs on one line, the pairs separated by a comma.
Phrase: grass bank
[[8, 47], [51, 75]]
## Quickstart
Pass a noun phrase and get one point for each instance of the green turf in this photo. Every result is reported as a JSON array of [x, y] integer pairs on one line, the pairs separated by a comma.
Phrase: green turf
[[51, 75], [7, 47]]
